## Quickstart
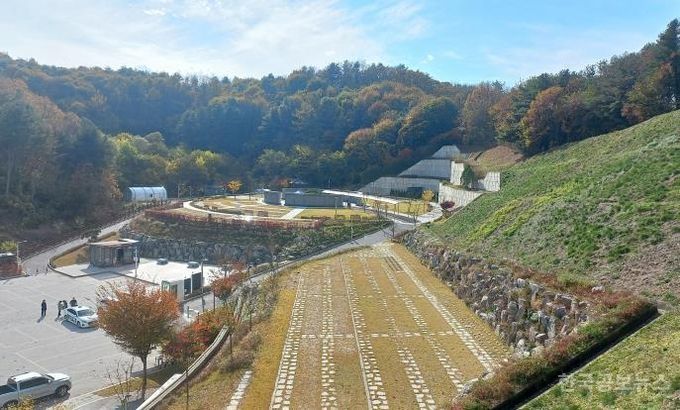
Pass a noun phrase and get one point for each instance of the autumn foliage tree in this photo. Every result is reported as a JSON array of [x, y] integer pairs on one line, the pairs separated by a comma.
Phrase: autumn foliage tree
[[234, 185], [540, 126], [137, 318], [476, 115], [222, 287]]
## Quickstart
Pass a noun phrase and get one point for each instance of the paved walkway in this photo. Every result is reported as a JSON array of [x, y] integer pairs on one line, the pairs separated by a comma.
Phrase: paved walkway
[[292, 214], [37, 263]]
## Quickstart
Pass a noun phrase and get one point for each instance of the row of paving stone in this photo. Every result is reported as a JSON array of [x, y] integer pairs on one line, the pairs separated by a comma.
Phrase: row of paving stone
[[377, 398], [376, 335], [478, 351], [452, 372], [236, 398], [328, 391], [288, 365], [420, 389]]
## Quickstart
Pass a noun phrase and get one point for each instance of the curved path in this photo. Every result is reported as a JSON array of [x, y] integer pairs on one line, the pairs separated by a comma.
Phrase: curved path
[[38, 262]]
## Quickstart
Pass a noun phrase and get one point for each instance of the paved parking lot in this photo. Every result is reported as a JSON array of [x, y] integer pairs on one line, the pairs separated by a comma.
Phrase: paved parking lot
[[48, 345], [28, 342]]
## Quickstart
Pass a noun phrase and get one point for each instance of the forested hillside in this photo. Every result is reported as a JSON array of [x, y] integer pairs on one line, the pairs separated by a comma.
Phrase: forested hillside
[[603, 210], [71, 139]]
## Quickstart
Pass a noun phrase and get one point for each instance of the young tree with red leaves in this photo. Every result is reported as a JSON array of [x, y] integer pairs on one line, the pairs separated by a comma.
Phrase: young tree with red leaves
[[137, 318], [222, 287], [182, 347]]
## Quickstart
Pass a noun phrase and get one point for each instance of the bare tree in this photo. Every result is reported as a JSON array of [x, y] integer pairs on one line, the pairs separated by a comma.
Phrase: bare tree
[[121, 380]]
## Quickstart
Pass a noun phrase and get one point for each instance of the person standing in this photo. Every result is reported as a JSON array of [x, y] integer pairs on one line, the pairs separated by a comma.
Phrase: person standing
[[74, 302], [59, 307], [43, 308]]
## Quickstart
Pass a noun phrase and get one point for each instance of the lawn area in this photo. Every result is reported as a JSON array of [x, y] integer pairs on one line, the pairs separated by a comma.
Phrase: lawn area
[[153, 381], [242, 205], [80, 254], [266, 363], [605, 207], [408, 207], [641, 372], [332, 213]]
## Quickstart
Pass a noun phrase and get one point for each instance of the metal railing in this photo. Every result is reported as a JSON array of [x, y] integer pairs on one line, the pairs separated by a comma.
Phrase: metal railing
[[176, 380]]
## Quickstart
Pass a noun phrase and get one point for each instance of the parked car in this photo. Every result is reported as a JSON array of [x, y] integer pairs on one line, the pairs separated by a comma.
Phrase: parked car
[[82, 316], [33, 385]]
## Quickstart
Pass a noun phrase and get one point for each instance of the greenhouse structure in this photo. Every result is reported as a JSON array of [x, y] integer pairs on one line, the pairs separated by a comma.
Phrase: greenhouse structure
[[146, 194]]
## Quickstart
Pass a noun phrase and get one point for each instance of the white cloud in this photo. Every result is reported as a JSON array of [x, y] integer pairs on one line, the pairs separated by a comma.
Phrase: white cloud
[[405, 17], [554, 49], [154, 12], [452, 55], [207, 37], [428, 59]]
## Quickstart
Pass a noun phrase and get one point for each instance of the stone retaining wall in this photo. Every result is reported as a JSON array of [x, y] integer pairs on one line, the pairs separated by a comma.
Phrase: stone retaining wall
[[526, 315], [459, 196], [491, 182], [183, 251]]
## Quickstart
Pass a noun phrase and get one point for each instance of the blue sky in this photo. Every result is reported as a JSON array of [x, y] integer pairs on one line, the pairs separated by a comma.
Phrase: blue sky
[[457, 40]]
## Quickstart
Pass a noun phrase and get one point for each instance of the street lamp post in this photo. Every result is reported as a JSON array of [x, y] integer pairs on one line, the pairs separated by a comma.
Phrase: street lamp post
[[136, 261], [184, 292], [18, 256], [202, 287]]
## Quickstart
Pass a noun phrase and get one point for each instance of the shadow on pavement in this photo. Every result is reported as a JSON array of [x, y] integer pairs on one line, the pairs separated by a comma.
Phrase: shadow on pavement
[[73, 328], [49, 402]]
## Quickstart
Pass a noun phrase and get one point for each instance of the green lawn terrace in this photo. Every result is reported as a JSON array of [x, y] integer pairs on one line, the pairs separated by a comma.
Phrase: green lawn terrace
[[349, 206]]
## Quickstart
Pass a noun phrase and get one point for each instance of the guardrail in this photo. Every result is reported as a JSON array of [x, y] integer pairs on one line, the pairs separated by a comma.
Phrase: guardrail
[[178, 379]]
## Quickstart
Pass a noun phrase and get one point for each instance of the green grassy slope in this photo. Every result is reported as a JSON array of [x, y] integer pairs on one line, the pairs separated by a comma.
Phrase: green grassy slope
[[605, 209], [640, 373]]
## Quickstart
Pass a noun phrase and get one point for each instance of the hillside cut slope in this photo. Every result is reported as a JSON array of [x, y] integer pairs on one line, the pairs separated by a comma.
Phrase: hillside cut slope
[[603, 210]]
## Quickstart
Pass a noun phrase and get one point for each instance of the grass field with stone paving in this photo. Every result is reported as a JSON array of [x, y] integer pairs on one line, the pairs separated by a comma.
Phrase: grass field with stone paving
[[244, 205], [333, 213], [371, 328]]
